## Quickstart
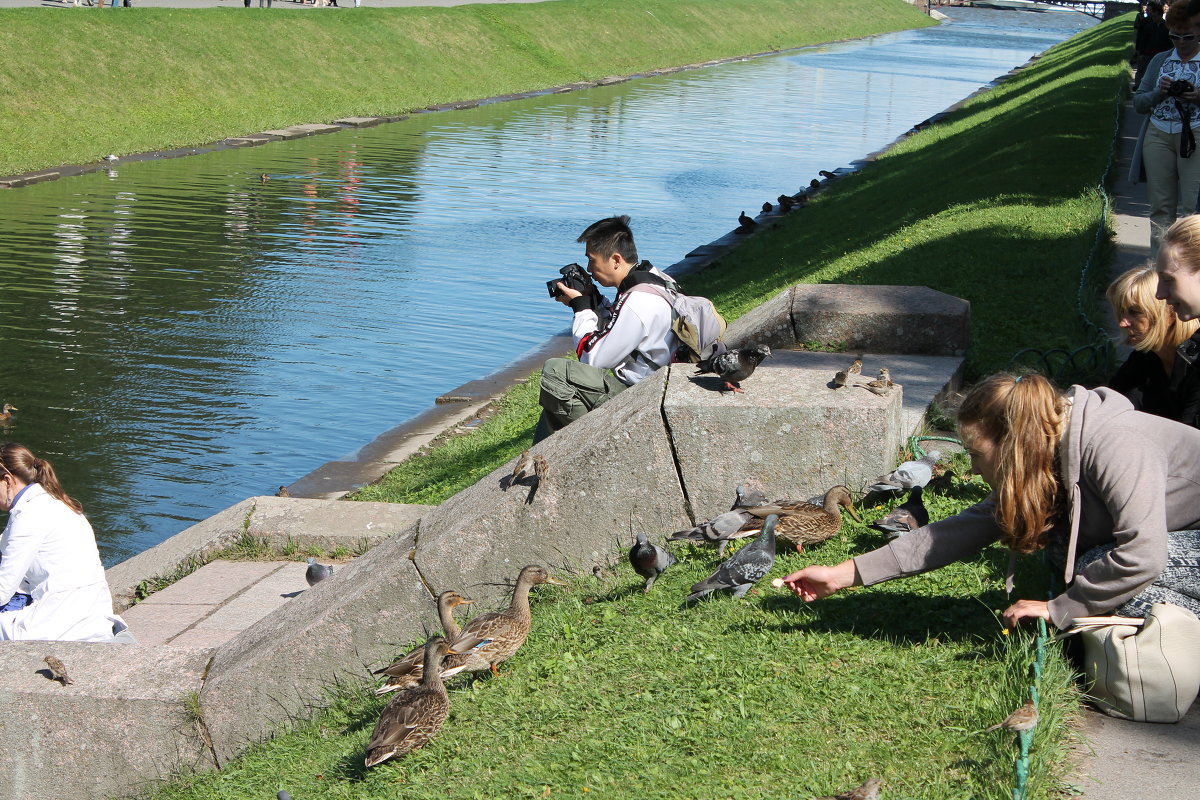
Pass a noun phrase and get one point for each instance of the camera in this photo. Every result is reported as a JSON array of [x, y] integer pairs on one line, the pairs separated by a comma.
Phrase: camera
[[573, 276], [1179, 88]]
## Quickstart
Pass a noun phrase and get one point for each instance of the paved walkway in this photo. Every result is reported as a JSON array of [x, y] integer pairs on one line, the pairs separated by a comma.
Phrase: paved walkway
[[216, 602], [1129, 760]]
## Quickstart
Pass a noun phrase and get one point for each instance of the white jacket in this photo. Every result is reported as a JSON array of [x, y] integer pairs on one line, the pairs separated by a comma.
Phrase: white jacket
[[49, 552], [636, 341]]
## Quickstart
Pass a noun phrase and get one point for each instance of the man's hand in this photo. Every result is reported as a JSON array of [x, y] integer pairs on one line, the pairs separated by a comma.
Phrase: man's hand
[[566, 294]]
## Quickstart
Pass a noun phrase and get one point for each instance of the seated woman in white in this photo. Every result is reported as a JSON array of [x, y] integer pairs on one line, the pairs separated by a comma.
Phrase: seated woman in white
[[48, 551]]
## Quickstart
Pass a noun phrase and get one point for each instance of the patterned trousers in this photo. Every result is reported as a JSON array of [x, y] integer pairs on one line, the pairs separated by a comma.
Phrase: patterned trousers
[[1178, 584]]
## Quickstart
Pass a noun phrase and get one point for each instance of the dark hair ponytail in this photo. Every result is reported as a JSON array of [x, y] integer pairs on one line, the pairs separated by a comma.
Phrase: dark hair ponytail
[[20, 461]]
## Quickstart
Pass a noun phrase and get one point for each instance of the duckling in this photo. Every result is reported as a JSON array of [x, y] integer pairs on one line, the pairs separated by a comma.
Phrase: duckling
[[802, 522], [406, 672], [414, 716], [6, 414], [495, 637]]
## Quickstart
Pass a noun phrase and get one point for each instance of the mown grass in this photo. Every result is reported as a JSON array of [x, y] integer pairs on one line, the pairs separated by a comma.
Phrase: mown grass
[[87, 84], [623, 695]]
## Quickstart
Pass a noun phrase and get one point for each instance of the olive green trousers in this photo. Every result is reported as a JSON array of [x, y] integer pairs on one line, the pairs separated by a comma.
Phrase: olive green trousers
[[569, 390]]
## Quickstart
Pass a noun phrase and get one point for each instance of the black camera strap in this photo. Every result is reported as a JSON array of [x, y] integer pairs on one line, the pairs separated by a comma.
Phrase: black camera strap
[[1187, 139]]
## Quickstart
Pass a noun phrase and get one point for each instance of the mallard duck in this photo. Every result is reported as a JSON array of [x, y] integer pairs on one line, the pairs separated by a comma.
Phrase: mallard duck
[[406, 672], [6, 414], [490, 639], [414, 716], [802, 522]]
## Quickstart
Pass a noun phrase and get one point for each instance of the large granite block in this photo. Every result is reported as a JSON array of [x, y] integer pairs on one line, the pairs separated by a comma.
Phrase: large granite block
[[881, 319], [280, 668], [124, 722], [769, 324], [790, 430], [609, 470]]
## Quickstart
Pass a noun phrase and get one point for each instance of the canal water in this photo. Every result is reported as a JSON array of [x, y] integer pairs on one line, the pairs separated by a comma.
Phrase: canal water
[[181, 334]]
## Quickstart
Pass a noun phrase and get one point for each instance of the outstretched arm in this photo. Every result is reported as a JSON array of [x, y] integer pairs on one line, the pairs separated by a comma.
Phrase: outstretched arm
[[816, 582]]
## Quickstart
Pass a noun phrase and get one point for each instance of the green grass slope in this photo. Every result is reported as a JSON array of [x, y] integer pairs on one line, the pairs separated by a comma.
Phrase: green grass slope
[[88, 84]]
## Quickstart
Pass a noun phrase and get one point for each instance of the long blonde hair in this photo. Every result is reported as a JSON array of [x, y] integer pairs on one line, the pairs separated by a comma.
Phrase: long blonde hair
[[1023, 416], [1133, 292], [20, 461]]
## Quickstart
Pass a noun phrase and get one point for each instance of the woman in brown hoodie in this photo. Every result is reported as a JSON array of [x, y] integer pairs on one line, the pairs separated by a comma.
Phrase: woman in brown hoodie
[[1108, 491]]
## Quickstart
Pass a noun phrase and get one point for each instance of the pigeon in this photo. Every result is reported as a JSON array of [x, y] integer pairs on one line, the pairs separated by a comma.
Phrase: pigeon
[[719, 530], [767, 208], [868, 791], [649, 560], [905, 518], [745, 224], [283, 492], [58, 672], [414, 716], [826, 174], [734, 366], [283, 795], [522, 470], [1024, 718], [743, 569], [316, 572], [750, 494], [786, 203], [907, 475]]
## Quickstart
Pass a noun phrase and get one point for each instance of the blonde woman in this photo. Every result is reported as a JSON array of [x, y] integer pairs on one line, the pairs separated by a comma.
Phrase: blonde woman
[[1112, 494], [1153, 378], [48, 553]]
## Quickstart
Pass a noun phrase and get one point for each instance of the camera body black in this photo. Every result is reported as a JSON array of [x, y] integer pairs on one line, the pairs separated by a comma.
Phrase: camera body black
[[574, 276], [1179, 88]]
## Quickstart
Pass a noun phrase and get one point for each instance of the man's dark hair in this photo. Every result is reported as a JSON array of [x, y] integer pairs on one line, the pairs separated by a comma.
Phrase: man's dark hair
[[610, 236]]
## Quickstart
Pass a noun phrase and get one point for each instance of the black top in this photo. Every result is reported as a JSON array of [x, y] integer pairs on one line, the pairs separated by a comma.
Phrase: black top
[[1145, 382], [1151, 36]]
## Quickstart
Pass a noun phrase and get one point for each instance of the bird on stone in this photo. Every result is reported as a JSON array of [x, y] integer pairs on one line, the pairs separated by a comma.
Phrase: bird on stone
[[283, 492], [649, 560], [814, 184], [907, 475], [882, 385], [840, 379], [415, 715], [406, 671], [743, 569], [316, 572], [522, 470], [6, 414], [58, 672], [786, 203], [1024, 718], [767, 208], [885, 376], [734, 366], [904, 518], [855, 367], [745, 224], [868, 791], [826, 174]]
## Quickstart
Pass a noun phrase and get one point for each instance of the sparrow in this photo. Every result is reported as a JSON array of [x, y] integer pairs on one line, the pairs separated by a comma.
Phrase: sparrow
[[540, 470], [1024, 718], [522, 470], [745, 224], [868, 791], [734, 366], [855, 368], [58, 672], [283, 492]]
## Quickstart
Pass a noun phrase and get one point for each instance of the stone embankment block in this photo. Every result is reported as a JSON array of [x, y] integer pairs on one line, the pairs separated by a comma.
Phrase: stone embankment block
[[124, 721], [875, 319]]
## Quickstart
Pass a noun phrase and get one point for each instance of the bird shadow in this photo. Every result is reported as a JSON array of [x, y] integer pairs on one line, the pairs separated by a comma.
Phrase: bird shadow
[[712, 384], [290, 595], [48, 675]]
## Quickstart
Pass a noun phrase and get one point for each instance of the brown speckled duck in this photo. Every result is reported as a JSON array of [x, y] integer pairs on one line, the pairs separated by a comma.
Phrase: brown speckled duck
[[801, 522], [406, 672], [490, 639], [6, 414], [414, 716]]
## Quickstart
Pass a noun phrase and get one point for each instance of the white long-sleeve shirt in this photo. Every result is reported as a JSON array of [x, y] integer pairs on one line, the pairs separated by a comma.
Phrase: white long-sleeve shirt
[[49, 552], [635, 342]]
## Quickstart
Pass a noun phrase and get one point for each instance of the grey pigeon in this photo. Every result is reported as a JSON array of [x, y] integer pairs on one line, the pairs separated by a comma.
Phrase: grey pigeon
[[317, 572], [735, 366], [750, 494], [743, 569], [908, 475], [283, 795], [719, 530], [905, 518], [745, 224], [649, 560]]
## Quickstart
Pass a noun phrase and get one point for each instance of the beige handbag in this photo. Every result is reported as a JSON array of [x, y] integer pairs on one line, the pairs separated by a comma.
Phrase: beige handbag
[[1145, 670]]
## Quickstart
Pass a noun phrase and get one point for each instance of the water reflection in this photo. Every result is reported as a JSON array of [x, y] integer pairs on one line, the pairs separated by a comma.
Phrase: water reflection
[[182, 334]]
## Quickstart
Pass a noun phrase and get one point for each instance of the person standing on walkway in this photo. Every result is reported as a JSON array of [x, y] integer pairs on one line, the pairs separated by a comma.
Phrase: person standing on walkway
[[1167, 143], [1150, 37], [1154, 378], [48, 553]]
